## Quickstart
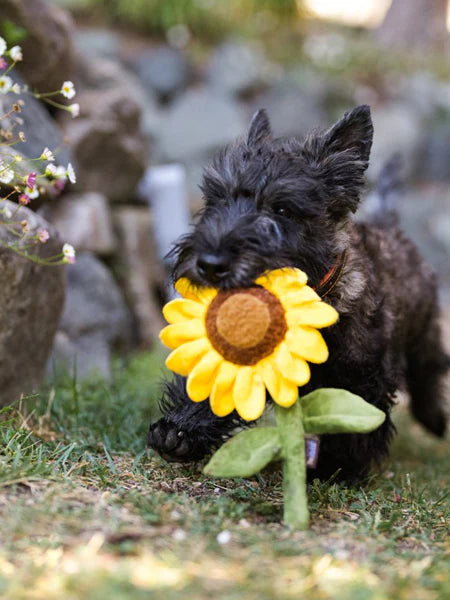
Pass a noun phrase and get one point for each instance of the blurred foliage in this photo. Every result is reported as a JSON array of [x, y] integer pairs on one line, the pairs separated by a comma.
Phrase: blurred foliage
[[208, 19], [12, 33]]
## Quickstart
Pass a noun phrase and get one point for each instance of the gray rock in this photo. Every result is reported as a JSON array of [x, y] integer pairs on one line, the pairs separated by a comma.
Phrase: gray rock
[[426, 94], [397, 129], [198, 123], [423, 216], [86, 356], [439, 227], [31, 301], [434, 163], [94, 302], [96, 41], [107, 162], [39, 127], [84, 221], [110, 119], [142, 273], [292, 110], [95, 317], [163, 71], [48, 56], [239, 68]]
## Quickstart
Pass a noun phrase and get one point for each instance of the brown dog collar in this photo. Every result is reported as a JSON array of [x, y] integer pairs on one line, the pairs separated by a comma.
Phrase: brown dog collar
[[330, 280]]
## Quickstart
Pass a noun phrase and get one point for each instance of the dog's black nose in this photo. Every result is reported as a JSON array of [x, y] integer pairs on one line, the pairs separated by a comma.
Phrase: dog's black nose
[[213, 267]]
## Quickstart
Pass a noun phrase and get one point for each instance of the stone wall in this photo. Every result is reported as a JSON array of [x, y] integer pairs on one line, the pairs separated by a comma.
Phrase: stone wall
[[145, 103]]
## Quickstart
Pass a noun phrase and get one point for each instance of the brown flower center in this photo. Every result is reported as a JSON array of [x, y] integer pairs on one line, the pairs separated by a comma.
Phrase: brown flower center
[[245, 325]]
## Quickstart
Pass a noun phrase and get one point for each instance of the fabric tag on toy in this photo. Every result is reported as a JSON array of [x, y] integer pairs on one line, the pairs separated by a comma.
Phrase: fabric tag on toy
[[312, 446]]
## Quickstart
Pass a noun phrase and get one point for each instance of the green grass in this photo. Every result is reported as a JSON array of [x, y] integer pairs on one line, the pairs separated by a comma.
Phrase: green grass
[[209, 19], [86, 513]]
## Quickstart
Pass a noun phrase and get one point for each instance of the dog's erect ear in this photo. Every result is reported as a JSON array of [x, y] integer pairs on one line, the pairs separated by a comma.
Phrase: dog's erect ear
[[259, 129], [354, 132], [339, 158]]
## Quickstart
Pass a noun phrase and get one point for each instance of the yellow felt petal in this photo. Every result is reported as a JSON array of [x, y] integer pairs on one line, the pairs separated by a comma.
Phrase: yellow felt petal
[[185, 357], [281, 280], [180, 333], [282, 391], [315, 314], [221, 399], [200, 381], [249, 394], [291, 367], [188, 290], [307, 343], [295, 299], [181, 309], [185, 288]]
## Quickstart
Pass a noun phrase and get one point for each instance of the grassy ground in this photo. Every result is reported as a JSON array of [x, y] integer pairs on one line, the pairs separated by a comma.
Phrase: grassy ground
[[87, 514]]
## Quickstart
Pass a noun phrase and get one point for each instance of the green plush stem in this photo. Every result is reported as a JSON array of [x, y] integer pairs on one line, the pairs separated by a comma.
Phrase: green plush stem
[[292, 437]]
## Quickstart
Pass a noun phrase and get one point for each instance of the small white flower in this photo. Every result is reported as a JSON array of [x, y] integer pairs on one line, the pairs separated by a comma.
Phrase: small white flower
[[16, 88], [69, 254], [2, 46], [6, 175], [47, 154], [50, 170], [71, 174], [68, 250], [74, 110], [5, 84], [16, 53], [32, 193], [6, 211], [224, 537], [61, 173], [68, 89]]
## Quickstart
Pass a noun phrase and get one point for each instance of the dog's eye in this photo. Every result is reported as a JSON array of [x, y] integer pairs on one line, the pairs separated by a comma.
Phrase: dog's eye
[[245, 193], [280, 210]]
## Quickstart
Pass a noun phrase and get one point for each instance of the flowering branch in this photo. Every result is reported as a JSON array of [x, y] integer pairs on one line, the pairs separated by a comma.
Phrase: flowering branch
[[17, 172]]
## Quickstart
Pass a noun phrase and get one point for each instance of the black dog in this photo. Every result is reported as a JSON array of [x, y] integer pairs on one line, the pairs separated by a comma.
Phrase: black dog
[[273, 203]]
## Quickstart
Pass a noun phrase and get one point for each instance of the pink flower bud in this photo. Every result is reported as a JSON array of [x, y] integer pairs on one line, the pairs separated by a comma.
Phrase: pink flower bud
[[24, 199], [3, 63], [31, 181], [43, 235]]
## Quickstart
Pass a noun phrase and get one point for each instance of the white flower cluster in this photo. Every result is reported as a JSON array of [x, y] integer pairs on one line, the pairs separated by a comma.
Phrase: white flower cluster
[[15, 53], [26, 187], [61, 173]]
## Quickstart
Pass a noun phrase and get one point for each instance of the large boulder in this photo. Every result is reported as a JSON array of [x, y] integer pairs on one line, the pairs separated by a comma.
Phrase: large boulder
[[164, 72], [95, 318], [106, 140], [199, 123], [39, 127], [31, 301], [48, 56], [141, 272], [240, 69], [84, 221], [397, 130], [292, 109]]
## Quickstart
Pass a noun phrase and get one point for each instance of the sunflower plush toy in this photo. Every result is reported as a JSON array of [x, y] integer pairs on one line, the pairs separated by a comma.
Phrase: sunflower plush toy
[[234, 346]]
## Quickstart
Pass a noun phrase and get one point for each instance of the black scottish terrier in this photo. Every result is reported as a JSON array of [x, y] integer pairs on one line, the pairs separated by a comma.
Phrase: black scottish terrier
[[273, 203]]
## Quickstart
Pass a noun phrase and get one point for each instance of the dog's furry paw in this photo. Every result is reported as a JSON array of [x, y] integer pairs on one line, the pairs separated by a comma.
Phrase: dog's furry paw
[[172, 443]]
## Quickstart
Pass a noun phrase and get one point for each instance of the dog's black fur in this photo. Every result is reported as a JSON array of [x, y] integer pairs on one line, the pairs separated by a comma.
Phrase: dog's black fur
[[274, 203]]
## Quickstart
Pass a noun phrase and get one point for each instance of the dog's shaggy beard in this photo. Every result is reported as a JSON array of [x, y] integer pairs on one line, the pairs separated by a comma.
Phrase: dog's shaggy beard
[[251, 243]]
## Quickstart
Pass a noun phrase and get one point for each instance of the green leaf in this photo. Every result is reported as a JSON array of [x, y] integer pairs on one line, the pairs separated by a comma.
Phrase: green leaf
[[13, 34], [246, 453], [330, 410]]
